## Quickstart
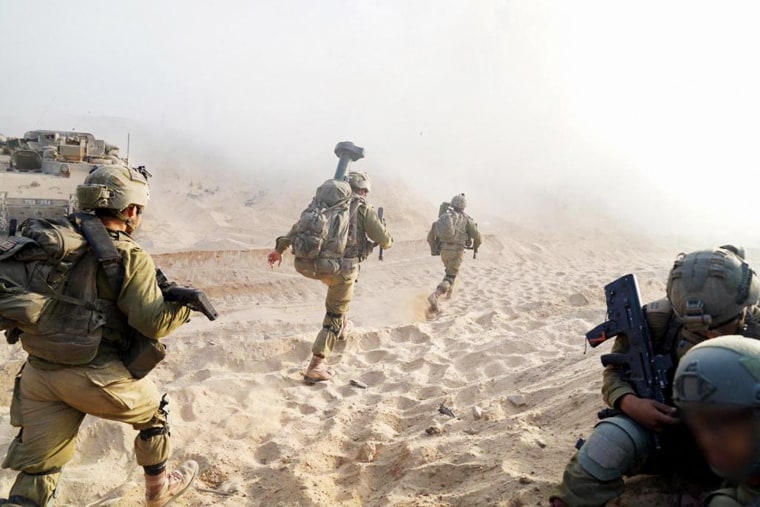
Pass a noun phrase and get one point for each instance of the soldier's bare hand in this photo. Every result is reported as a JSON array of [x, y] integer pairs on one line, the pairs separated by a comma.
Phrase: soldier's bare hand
[[651, 414], [275, 257]]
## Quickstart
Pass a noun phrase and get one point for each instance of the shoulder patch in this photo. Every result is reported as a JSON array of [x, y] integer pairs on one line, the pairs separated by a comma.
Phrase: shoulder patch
[[7, 245]]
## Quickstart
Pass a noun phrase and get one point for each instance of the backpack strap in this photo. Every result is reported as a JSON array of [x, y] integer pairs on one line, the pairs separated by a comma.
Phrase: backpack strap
[[102, 244], [352, 244]]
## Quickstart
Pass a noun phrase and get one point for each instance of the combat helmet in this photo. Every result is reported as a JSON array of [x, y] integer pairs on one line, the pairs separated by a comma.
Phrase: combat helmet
[[724, 374], [114, 187], [459, 202], [710, 288], [359, 181]]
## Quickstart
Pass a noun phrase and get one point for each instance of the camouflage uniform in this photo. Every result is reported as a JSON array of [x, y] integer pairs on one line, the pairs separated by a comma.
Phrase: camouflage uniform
[[52, 399], [452, 254], [340, 287], [621, 447], [452, 251]]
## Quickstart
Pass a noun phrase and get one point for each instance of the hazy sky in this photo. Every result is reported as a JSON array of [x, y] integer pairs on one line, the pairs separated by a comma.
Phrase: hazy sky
[[648, 110]]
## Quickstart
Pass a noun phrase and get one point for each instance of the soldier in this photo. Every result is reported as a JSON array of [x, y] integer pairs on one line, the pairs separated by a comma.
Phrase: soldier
[[716, 388], [51, 399], [710, 293], [365, 231], [450, 235]]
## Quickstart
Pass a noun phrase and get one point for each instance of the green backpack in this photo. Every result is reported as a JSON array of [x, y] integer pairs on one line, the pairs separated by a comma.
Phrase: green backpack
[[451, 227], [321, 233], [48, 292]]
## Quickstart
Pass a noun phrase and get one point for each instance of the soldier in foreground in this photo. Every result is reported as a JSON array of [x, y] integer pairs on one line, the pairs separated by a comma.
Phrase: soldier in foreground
[[352, 230], [710, 294], [716, 388], [97, 364], [450, 235]]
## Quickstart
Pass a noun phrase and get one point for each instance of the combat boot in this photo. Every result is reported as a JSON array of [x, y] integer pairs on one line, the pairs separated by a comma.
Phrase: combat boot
[[317, 370], [164, 488], [433, 300]]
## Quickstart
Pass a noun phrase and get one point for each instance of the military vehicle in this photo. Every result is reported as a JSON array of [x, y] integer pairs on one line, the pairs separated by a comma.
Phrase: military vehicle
[[40, 171]]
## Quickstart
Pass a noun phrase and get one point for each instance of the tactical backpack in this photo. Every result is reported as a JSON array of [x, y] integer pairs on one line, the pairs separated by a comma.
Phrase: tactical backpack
[[322, 232], [451, 227], [48, 292]]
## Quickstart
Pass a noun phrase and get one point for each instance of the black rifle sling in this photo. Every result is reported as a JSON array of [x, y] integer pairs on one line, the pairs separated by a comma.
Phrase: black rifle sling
[[102, 244]]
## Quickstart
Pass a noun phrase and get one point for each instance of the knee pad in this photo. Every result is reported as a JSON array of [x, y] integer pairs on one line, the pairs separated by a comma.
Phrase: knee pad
[[614, 448], [333, 323], [160, 421], [149, 433]]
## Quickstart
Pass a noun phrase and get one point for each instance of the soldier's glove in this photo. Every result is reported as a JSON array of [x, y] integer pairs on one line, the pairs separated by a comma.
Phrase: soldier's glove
[[12, 335]]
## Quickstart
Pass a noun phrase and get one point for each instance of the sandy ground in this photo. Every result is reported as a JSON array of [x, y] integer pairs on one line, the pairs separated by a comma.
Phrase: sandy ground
[[510, 342]]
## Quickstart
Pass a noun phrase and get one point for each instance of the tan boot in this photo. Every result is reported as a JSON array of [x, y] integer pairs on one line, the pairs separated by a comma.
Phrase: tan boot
[[317, 371], [164, 488], [433, 300]]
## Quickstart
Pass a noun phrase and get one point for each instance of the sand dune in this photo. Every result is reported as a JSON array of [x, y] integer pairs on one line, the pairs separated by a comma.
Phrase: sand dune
[[509, 342]]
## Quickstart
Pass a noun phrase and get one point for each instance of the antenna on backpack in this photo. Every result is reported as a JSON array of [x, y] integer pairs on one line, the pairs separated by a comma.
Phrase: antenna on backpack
[[128, 142]]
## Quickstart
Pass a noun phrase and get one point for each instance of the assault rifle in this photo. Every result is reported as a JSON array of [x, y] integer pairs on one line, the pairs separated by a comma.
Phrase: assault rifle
[[471, 246], [381, 216], [646, 372], [195, 299]]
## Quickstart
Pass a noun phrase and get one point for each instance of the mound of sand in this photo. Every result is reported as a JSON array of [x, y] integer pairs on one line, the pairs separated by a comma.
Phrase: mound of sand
[[509, 342]]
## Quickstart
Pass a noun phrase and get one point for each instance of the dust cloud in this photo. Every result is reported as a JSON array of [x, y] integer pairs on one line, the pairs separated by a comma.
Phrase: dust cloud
[[592, 138], [592, 116]]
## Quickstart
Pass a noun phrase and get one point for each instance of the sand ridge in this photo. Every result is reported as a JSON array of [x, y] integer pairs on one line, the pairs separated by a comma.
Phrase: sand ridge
[[510, 341]]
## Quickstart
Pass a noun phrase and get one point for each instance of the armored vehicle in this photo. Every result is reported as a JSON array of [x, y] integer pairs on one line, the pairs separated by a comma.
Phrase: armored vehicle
[[39, 173]]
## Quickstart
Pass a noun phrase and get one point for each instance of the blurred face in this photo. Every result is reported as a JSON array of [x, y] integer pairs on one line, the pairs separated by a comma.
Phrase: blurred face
[[728, 438]]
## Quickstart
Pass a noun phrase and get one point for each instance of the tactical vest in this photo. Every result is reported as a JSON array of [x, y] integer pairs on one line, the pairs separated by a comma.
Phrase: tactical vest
[[49, 294]]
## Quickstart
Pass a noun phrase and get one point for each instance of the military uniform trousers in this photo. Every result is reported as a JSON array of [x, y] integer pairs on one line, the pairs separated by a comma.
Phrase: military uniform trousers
[[50, 405], [452, 261], [340, 292]]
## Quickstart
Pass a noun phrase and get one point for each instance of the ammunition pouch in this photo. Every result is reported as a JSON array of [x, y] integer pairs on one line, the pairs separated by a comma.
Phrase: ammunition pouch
[[15, 408], [143, 355]]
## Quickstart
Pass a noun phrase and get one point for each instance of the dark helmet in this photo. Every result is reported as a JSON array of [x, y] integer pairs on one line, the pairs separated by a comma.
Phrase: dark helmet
[[710, 288], [722, 374]]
